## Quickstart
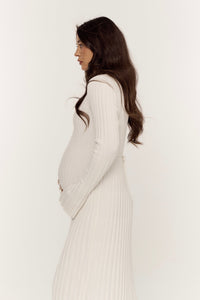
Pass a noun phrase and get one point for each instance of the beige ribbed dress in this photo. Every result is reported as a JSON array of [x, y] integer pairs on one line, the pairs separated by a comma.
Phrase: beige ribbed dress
[[96, 261]]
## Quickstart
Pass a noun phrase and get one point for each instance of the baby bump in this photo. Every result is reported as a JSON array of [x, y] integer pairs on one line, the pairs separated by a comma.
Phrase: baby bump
[[74, 162]]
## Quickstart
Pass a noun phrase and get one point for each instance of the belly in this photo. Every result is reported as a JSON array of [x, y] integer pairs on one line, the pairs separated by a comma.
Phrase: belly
[[74, 161]]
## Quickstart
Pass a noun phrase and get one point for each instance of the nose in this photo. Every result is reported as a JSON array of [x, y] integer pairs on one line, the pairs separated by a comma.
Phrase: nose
[[76, 53]]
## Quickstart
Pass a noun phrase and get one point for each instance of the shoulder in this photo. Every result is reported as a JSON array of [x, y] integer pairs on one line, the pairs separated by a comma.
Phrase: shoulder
[[103, 89], [103, 81]]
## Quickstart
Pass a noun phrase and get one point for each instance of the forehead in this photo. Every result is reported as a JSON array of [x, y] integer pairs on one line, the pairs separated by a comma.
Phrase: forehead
[[77, 39]]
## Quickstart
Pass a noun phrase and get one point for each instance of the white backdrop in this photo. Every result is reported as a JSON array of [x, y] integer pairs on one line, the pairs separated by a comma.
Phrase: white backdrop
[[39, 72]]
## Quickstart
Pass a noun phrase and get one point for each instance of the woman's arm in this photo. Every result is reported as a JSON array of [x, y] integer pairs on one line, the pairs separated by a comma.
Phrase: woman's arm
[[103, 105]]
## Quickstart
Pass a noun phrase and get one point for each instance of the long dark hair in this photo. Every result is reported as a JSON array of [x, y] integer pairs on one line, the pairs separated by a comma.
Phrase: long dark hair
[[111, 56]]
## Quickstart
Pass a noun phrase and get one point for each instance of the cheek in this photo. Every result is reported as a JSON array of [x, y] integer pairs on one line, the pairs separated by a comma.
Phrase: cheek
[[87, 55], [83, 54]]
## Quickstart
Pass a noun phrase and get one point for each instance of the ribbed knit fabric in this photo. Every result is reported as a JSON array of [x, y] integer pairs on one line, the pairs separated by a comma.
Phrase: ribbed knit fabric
[[96, 261]]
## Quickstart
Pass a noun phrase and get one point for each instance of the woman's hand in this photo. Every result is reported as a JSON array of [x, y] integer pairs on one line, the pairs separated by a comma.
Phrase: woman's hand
[[61, 189]]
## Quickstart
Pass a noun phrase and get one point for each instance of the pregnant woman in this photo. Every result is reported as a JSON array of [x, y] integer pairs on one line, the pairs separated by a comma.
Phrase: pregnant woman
[[96, 261]]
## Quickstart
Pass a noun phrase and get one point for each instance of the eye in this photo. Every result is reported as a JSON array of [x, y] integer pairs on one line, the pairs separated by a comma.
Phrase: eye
[[81, 45]]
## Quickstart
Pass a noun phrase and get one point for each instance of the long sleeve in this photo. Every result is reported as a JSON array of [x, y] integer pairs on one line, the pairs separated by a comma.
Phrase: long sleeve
[[104, 113]]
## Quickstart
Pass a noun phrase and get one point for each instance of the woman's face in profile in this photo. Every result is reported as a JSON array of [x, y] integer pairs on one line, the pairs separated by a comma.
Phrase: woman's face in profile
[[84, 54]]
